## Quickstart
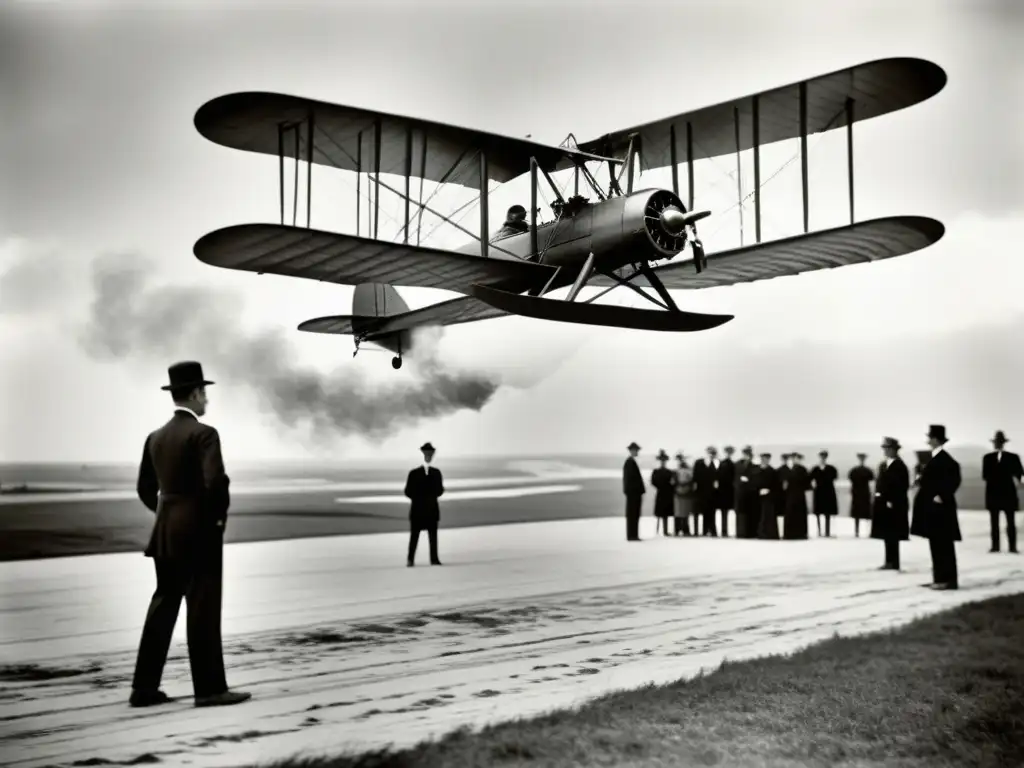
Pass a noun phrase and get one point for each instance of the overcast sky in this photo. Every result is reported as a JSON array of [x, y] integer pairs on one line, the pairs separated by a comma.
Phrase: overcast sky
[[105, 186]]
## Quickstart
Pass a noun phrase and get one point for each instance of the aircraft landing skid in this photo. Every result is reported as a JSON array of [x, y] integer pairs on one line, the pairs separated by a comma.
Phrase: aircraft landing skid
[[558, 310]]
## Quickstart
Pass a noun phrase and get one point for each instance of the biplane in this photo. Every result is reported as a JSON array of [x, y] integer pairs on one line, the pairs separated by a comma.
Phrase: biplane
[[611, 238]]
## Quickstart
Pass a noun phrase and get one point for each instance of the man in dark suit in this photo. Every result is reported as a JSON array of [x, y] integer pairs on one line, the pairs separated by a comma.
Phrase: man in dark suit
[[935, 513], [890, 515], [745, 495], [726, 487], [1002, 471], [707, 490], [424, 486], [633, 487], [182, 480]]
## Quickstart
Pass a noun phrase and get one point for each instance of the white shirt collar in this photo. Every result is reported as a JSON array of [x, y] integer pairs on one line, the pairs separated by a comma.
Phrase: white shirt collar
[[889, 460], [426, 468], [935, 451], [189, 411]]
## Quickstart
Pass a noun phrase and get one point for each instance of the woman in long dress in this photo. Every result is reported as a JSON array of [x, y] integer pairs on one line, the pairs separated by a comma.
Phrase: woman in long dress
[[826, 504], [768, 491], [684, 496], [861, 478], [663, 480], [798, 482]]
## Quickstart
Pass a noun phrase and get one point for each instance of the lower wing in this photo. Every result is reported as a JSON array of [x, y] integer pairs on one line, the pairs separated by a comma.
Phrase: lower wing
[[858, 243]]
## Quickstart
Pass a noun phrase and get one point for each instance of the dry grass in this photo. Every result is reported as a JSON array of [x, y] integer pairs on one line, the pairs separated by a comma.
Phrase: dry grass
[[947, 690]]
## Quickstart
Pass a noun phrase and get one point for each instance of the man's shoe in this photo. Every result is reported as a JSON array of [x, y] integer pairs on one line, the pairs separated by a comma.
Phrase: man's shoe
[[944, 587], [408, 563], [148, 698], [225, 699], [436, 562]]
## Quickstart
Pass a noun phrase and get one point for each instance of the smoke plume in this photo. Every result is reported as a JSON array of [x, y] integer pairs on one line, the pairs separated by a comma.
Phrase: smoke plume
[[130, 318]]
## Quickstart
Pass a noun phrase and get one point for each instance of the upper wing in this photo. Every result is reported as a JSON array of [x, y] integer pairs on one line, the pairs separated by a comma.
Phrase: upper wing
[[465, 309], [852, 244], [277, 249], [876, 87], [343, 137]]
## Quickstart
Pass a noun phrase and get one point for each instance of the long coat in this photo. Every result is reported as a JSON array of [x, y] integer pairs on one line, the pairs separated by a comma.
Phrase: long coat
[[663, 480], [632, 481], [424, 489], [824, 481], [890, 517], [860, 492], [999, 472], [748, 512], [769, 491], [684, 492], [182, 479], [782, 476], [794, 524], [726, 484], [932, 519], [705, 477]]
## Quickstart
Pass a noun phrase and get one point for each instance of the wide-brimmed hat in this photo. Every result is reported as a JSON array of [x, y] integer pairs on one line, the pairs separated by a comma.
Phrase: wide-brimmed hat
[[862, 455], [662, 456], [632, 447], [1000, 438], [185, 374], [891, 442], [427, 447], [938, 432]]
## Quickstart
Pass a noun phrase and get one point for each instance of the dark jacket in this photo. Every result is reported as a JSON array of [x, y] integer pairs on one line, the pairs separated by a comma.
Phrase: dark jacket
[[999, 474], [664, 481], [825, 500], [890, 514], [632, 480], [726, 484], [932, 519], [182, 480], [860, 492], [424, 489]]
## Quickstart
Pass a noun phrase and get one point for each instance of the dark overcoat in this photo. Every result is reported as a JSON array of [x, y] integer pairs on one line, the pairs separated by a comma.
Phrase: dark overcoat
[[794, 524], [767, 479], [999, 473], [860, 492], [182, 479], [824, 496], [726, 484], [663, 480], [423, 489], [937, 520], [890, 516]]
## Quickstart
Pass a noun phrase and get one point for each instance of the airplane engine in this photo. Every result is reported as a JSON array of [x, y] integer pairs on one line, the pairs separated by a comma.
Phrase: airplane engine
[[649, 225]]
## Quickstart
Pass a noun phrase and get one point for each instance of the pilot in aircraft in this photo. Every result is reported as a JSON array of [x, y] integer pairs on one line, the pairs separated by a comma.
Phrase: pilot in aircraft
[[515, 223]]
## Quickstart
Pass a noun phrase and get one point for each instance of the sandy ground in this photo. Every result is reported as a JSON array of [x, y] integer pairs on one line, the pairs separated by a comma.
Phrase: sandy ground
[[343, 646]]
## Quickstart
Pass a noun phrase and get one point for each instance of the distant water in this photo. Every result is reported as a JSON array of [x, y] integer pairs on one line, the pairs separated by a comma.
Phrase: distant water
[[111, 476]]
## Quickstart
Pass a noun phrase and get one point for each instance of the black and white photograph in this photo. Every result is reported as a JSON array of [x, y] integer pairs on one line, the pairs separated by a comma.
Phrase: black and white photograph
[[464, 383]]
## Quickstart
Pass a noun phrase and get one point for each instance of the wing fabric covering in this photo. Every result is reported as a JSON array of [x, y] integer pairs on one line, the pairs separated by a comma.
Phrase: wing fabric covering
[[465, 309], [276, 249], [859, 243], [345, 138], [876, 88]]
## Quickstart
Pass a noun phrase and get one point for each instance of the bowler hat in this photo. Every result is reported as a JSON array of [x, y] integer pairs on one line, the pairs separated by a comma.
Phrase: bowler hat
[[187, 373], [823, 453], [426, 447], [1000, 438], [748, 451], [862, 455], [891, 442], [937, 431], [632, 447], [766, 455], [730, 449], [662, 456]]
